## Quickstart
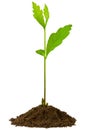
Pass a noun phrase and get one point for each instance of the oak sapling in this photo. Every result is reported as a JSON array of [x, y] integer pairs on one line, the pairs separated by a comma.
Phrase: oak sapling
[[45, 115], [55, 39]]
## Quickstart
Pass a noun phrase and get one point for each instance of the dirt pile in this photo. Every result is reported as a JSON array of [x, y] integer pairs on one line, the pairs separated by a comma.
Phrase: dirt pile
[[44, 116]]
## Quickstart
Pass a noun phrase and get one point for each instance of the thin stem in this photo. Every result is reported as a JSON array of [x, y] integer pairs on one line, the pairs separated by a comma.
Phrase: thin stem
[[45, 66]]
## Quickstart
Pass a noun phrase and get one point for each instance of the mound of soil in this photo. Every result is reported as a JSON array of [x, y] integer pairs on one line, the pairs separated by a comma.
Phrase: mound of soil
[[44, 116]]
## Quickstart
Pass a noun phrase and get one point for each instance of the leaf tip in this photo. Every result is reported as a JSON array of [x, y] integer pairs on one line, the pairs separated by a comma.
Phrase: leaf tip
[[33, 4], [70, 25]]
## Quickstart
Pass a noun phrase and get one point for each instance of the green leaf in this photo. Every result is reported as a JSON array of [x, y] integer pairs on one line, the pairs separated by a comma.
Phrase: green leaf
[[38, 14], [57, 38], [40, 52], [46, 13]]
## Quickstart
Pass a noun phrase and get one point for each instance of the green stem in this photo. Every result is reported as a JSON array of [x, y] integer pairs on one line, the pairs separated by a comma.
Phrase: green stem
[[45, 66]]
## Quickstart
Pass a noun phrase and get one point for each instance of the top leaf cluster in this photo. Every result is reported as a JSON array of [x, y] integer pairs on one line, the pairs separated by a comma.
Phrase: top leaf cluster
[[56, 38], [40, 15]]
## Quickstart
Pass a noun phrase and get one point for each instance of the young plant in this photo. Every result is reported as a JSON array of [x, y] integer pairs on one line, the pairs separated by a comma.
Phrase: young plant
[[55, 39]]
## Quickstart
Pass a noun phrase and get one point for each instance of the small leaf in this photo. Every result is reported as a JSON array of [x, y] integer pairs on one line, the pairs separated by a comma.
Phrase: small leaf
[[38, 14], [57, 38], [40, 52], [42, 102], [46, 13]]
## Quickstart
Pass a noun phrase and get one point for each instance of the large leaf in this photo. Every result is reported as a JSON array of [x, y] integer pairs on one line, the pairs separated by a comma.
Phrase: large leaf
[[57, 38], [46, 13], [38, 14], [40, 52]]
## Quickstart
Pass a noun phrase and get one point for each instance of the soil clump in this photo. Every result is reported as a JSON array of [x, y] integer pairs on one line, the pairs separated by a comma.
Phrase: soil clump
[[44, 116]]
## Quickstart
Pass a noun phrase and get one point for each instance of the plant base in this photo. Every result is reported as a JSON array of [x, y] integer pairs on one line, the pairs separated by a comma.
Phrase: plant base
[[44, 116]]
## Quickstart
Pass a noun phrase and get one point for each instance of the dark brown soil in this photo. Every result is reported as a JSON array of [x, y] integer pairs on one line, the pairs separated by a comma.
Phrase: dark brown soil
[[44, 116]]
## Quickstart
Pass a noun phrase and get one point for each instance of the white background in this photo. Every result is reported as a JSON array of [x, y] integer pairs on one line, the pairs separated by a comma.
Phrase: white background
[[21, 69]]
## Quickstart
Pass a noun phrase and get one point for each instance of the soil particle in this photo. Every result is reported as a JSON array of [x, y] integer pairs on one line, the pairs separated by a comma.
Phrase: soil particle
[[44, 116]]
